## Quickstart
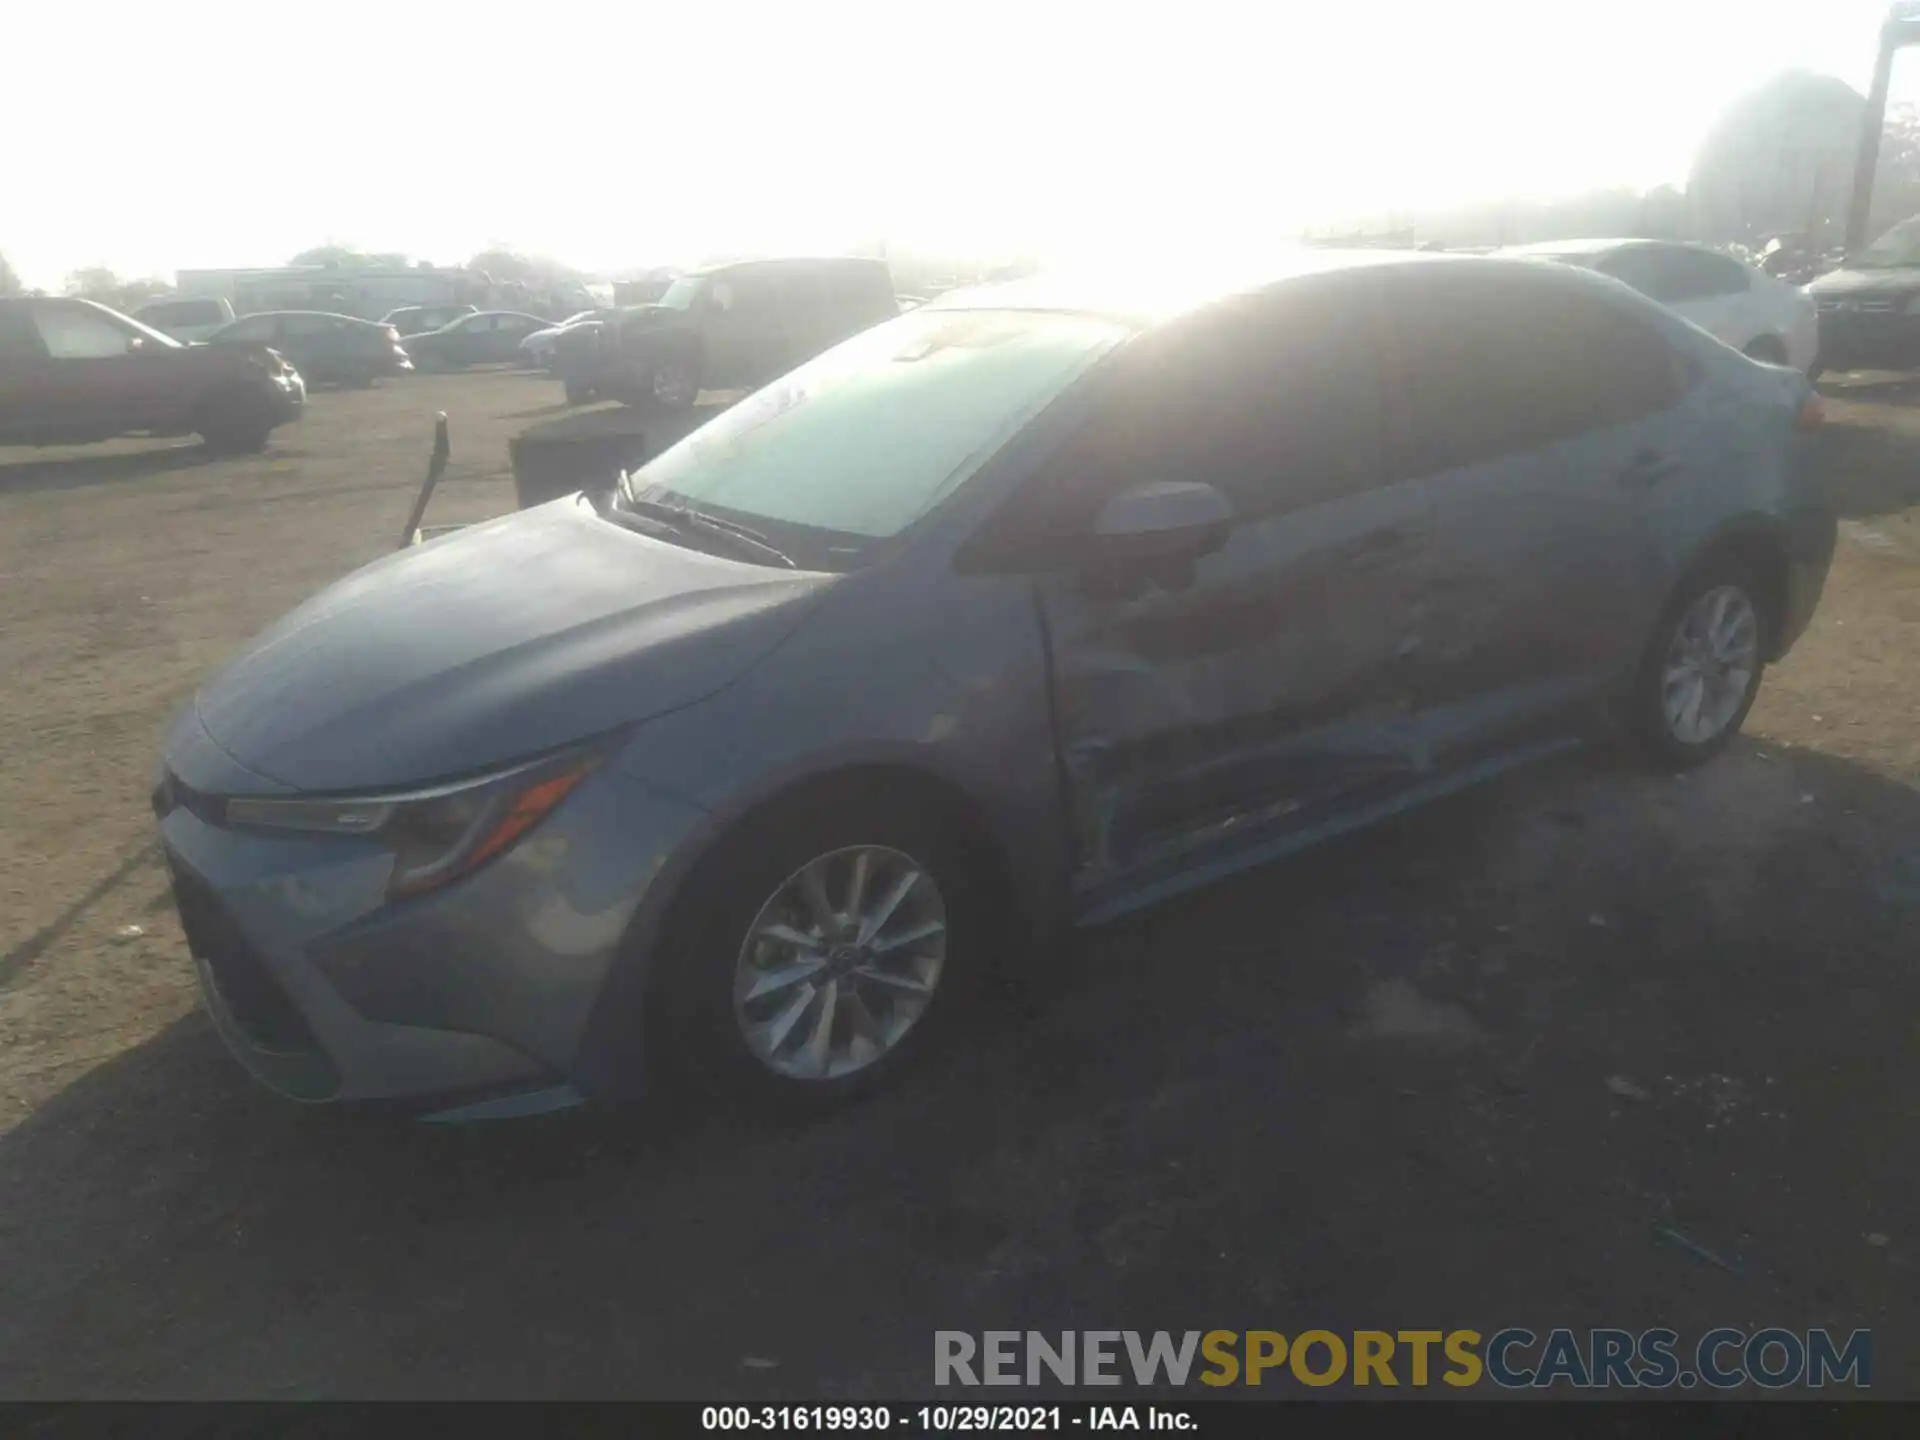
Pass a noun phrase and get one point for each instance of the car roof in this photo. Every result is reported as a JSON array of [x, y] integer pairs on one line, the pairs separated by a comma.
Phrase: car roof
[[785, 262], [1152, 294], [1601, 247], [330, 314]]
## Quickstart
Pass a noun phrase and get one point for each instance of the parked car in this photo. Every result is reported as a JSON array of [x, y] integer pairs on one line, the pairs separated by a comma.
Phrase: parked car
[[1766, 318], [537, 349], [186, 320], [72, 371], [1870, 305], [486, 337], [728, 327], [418, 319], [326, 349], [1030, 607]]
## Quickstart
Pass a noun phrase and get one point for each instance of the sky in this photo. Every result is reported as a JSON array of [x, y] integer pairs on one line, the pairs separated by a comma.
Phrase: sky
[[613, 135]]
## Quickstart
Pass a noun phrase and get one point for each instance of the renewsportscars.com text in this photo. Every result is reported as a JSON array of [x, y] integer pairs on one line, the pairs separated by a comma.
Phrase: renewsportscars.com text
[[1513, 1358]]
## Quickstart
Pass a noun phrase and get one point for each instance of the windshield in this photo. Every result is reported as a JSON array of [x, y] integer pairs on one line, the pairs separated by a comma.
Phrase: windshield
[[681, 294], [1899, 247], [859, 443]]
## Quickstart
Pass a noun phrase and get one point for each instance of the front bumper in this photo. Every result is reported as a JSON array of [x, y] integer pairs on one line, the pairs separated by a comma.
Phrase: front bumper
[[327, 992]]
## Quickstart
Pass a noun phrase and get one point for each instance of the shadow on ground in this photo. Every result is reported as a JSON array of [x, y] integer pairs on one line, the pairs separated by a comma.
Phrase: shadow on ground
[[77, 471], [1478, 1068]]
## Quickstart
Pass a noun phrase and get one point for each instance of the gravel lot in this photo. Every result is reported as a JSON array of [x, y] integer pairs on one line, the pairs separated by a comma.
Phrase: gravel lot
[[1368, 1089]]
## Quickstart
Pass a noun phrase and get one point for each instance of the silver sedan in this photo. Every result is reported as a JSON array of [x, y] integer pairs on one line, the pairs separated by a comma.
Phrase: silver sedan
[[1028, 608]]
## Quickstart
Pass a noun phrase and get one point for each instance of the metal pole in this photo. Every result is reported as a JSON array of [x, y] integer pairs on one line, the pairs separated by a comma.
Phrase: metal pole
[[436, 467], [1870, 127]]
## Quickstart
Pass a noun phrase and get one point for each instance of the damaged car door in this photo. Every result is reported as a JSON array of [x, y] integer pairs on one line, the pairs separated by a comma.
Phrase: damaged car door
[[1211, 700]]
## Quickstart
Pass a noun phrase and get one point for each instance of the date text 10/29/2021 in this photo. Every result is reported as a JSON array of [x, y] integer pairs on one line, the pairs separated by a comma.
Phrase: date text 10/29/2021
[[945, 1419]]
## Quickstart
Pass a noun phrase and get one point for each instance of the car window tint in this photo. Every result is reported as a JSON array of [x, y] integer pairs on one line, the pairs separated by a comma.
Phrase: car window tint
[[756, 293], [1496, 365], [1278, 402], [73, 333], [253, 329], [303, 326], [1703, 276], [18, 337], [1673, 274]]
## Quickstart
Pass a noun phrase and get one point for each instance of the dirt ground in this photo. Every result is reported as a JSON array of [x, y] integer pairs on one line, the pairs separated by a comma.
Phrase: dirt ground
[[1586, 1048]]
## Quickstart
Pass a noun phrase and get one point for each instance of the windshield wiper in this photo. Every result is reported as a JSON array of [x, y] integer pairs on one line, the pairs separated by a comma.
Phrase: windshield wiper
[[686, 517]]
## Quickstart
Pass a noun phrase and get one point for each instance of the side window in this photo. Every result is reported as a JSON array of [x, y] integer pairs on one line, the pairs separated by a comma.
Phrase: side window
[[1277, 401], [254, 329], [1496, 366], [19, 339], [1673, 275], [71, 332], [303, 326], [756, 294], [1705, 276]]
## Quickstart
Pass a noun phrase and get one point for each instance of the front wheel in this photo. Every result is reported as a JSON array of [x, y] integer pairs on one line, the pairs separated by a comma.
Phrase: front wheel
[[1702, 669], [675, 384], [578, 391], [839, 940], [235, 427]]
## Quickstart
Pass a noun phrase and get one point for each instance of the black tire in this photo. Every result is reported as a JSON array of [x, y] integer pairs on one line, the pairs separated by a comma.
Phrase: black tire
[[694, 1033], [578, 391], [1768, 349], [1647, 710], [234, 426], [674, 384]]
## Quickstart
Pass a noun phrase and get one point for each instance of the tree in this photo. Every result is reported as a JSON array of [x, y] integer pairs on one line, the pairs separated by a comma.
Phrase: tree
[[9, 282], [507, 267], [345, 257], [1779, 161], [98, 283]]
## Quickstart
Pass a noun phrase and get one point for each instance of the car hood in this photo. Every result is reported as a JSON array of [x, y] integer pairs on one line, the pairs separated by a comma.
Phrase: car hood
[[1835, 284], [494, 644]]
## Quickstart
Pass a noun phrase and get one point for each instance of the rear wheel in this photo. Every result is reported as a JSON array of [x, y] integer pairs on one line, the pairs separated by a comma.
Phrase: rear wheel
[[1703, 666], [578, 391]]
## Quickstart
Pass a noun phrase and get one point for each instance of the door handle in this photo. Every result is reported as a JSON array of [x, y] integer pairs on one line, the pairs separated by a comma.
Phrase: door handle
[[1647, 469]]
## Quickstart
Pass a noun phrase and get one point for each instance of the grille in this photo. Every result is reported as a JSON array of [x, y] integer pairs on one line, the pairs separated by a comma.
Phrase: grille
[[1861, 307], [247, 988]]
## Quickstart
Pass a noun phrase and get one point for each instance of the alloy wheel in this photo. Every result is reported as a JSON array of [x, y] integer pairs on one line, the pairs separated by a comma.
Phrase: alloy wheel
[[1711, 664], [840, 963]]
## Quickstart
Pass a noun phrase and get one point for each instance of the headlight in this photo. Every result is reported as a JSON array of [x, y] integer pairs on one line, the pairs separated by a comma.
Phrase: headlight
[[436, 835]]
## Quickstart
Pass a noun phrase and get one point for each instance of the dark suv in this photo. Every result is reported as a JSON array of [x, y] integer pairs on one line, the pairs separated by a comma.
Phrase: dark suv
[[72, 371], [729, 327]]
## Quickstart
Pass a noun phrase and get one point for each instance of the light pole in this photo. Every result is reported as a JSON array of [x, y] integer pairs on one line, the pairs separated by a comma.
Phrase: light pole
[[1902, 28]]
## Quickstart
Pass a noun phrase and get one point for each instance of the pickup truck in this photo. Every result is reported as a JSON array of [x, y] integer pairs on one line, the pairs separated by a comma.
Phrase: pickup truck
[[72, 372]]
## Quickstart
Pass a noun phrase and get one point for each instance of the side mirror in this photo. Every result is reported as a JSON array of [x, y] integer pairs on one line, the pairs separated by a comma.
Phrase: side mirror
[[1172, 520]]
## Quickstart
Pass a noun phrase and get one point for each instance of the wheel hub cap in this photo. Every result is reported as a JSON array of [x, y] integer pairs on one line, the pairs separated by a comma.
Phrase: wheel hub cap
[[1712, 662], [840, 963]]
